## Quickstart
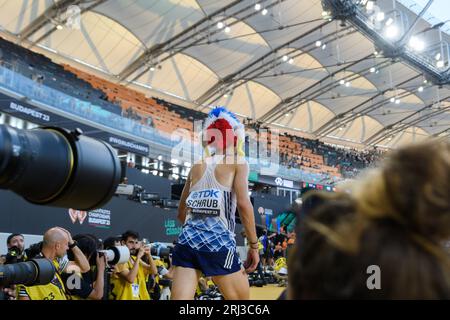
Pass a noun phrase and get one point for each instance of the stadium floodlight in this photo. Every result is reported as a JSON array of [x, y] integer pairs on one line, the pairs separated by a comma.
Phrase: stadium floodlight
[[397, 101], [152, 68], [372, 70], [438, 56], [440, 64], [389, 22], [391, 31], [380, 16], [291, 61], [285, 58], [342, 82], [324, 46], [264, 12], [59, 26], [220, 25], [318, 43], [369, 5], [257, 6], [416, 44], [363, 2], [392, 100], [348, 84], [227, 29], [420, 89]]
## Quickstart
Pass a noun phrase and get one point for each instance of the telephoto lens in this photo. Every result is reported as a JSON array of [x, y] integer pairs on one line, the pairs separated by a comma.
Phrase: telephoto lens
[[55, 167], [29, 273], [161, 251], [115, 255]]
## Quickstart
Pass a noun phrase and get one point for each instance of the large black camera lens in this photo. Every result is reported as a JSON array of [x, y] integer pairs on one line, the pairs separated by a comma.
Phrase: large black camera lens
[[162, 252], [52, 166], [30, 273]]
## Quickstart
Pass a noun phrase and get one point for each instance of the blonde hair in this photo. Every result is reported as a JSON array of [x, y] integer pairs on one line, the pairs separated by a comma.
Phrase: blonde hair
[[401, 216]]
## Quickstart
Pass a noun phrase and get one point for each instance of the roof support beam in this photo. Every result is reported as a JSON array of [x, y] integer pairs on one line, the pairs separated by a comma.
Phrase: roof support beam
[[406, 35], [330, 86], [159, 47], [172, 49], [51, 13], [280, 107], [349, 10], [53, 29], [230, 78], [269, 65], [327, 127], [437, 134], [383, 133]]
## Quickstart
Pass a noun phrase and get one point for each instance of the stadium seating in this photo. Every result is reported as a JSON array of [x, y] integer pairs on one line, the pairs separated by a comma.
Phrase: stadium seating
[[135, 102], [45, 72], [295, 152]]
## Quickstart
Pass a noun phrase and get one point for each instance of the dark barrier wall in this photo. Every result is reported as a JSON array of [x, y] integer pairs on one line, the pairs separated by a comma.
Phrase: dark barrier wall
[[151, 183], [268, 205], [118, 215]]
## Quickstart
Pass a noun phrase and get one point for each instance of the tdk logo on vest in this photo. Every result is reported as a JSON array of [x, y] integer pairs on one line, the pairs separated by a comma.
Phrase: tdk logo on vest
[[206, 194], [205, 202]]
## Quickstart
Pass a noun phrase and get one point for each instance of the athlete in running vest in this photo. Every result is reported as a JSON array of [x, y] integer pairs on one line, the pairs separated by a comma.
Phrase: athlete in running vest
[[215, 187]]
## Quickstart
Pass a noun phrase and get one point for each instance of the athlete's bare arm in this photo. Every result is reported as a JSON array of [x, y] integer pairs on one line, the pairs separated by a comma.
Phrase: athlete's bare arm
[[244, 205], [182, 207]]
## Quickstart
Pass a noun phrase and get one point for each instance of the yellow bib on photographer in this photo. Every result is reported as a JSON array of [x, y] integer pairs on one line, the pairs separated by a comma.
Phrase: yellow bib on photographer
[[51, 291], [123, 290]]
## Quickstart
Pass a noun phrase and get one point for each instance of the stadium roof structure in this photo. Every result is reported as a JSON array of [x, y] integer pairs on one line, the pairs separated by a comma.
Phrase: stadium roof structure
[[285, 63]]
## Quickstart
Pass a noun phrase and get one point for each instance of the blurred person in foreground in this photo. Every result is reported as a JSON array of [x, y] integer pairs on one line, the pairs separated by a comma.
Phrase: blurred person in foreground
[[396, 219]]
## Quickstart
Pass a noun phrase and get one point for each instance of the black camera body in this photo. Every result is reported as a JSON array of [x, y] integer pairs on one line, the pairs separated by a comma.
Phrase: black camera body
[[14, 255]]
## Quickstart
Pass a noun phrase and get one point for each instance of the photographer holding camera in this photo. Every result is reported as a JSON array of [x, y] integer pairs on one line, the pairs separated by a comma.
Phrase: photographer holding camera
[[16, 245], [87, 285], [57, 241], [129, 281], [16, 253]]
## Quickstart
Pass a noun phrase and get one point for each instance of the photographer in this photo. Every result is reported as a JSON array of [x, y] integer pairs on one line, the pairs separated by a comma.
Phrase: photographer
[[16, 254], [16, 245], [89, 285], [129, 281], [57, 241]]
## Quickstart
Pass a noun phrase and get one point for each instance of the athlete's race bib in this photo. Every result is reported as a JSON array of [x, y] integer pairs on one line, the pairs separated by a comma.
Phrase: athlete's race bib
[[135, 290], [205, 202]]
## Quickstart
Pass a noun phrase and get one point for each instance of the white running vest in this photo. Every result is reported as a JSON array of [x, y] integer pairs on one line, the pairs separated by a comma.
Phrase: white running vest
[[210, 219]]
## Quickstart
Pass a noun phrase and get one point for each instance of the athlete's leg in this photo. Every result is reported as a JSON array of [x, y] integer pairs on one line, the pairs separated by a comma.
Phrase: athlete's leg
[[234, 286], [184, 283]]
